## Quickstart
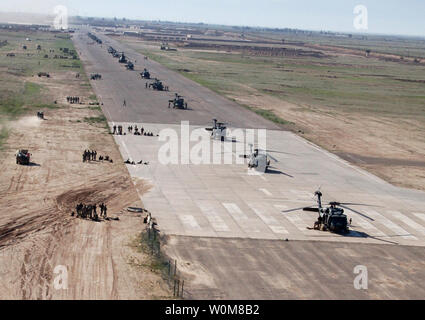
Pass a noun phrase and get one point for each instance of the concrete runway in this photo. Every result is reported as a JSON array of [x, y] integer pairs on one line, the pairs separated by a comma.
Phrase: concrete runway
[[145, 105], [225, 204]]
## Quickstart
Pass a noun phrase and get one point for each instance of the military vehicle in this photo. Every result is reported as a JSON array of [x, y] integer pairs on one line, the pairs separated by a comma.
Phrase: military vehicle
[[166, 47], [130, 65], [218, 131], [122, 58], [177, 102], [96, 76], [331, 218], [111, 50], [43, 74], [157, 85], [94, 38], [40, 115], [259, 159], [145, 74], [23, 157]]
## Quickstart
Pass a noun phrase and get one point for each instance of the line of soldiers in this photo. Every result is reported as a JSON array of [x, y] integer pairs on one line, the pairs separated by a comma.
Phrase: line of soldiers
[[89, 155], [73, 100], [128, 161], [117, 130], [90, 211], [142, 131]]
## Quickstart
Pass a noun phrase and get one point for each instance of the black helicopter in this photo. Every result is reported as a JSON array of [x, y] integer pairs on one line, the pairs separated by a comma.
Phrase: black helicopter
[[331, 218], [218, 130]]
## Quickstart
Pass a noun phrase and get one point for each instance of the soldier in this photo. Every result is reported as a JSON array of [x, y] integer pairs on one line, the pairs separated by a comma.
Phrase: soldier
[[115, 129], [124, 103], [146, 85], [95, 155], [142, 130], [104, 211], [90, 211], [94, 210]]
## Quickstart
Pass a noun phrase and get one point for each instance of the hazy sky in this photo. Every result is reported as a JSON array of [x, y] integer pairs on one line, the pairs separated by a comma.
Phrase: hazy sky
[[384, 16]]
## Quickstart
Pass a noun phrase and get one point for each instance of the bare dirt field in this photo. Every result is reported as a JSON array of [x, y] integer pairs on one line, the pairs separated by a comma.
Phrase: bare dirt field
[[37, 231]]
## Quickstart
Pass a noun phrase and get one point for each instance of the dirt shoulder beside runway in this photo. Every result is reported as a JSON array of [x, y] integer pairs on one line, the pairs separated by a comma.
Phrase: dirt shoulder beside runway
[[37, 232]]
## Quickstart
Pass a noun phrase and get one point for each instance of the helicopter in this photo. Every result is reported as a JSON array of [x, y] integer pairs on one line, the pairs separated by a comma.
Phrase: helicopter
[[130, 65], [122, 58], [259, 159], [157, 85], [145, 74], [331, 218], [218, 131], [177, 102]]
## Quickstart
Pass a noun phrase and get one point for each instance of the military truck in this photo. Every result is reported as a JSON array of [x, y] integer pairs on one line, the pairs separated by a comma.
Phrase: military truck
[[23, 157]]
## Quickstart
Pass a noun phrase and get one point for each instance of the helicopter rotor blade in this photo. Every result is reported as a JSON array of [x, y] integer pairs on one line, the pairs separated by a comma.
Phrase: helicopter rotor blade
[[351, 204], [311, 209], [301, 208], [355, 211], [291, 210]]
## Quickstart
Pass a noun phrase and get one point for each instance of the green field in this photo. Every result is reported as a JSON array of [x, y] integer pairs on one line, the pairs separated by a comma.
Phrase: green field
[[19, 92], [404, 46], [342, 83]]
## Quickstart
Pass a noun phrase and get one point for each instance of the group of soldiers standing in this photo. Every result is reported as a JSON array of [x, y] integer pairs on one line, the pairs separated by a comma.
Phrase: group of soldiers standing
[[90, 211], [117, 130], [73, 100], [89, 155]]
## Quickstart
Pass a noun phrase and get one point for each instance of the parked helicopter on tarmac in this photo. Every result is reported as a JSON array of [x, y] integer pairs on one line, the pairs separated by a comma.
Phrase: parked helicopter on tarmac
[[177, 103], [331, 218], [157, 85], [123, 58], [259, 159], [130, 65], [145, 74], [218, 130]]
